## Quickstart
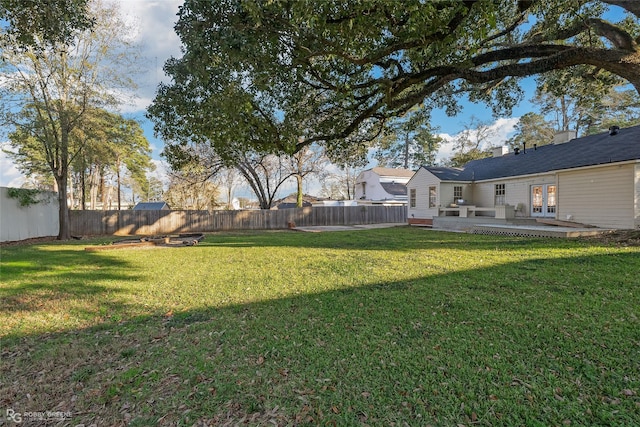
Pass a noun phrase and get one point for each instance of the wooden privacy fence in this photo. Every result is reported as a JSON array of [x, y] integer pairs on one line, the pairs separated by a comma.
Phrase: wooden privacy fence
[[159, 222]]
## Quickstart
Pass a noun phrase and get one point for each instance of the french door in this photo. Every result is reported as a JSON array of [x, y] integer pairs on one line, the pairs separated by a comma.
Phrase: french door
[[543, 200]]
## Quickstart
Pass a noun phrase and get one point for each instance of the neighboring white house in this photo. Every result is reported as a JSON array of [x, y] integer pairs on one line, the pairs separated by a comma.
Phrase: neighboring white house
[[592, 180], [383, 185]]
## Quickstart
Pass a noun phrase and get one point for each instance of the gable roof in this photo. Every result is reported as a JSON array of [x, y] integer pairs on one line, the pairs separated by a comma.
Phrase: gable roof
[[445, 173], [587, 151], [393, 172]]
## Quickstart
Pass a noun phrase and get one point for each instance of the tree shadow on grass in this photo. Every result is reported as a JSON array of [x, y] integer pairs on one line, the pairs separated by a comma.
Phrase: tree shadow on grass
[[36, 278], [401, 238], [552, 343]]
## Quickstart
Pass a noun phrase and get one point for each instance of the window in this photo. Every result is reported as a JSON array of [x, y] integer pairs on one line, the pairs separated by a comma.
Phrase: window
[[551, 199], [457, 193], [500, 193], [432, 197], [412, 198]]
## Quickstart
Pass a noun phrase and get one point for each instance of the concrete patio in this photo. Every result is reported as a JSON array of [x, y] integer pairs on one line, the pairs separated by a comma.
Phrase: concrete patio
[[521, 227]]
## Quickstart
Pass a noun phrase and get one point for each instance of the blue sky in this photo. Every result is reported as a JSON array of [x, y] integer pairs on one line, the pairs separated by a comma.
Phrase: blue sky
[[155, 19]]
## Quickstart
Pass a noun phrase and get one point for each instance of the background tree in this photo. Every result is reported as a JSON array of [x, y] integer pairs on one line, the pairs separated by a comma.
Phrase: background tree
[[531, 129], [265, 174], [307, 162], [26, 149], [472, 143], [227, 179], [110, 146], [582, 99], [38, 23], [407, 142], [191, 189], [340, 185], [129, 148], [102, 144], [156, 189], [60, 82], [255, 134], [367, 62]]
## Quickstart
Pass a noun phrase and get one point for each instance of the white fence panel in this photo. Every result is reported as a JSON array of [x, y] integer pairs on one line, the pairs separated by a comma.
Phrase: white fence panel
[[26, 222]]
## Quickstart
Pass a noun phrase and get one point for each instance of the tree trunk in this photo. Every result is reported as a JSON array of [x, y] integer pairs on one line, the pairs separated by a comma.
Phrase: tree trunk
[[61, 176], [93, 188], [103, 193], [84, 184], [118, 179], [71, 191], [565, 114], [406, 151], [63, 209], [299, 197]]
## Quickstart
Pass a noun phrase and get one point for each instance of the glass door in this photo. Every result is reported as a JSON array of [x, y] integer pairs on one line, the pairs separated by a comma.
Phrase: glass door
[[543, 200], [536, 200], [550, 198]]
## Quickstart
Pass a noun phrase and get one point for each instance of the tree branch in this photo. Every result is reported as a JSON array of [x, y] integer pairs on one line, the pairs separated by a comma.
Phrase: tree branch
[[618, 37]]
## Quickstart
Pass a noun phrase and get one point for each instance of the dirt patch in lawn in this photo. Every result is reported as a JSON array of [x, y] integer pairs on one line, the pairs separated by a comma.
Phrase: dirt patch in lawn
[[617, 238], [32, 241]]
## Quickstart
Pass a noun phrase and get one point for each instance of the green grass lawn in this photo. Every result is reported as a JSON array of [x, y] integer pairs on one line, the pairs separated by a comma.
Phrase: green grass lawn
[[399, 326]]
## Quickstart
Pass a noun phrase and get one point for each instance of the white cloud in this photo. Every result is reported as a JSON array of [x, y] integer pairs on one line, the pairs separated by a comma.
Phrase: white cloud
[[135, 104], [503, 127], [446, 148], [501, 130], [10, 176], [153, 21]]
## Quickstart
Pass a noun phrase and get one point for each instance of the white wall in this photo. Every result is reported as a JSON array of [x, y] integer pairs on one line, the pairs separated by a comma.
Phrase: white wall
[[373, 189], [421, 181], [26, 222]]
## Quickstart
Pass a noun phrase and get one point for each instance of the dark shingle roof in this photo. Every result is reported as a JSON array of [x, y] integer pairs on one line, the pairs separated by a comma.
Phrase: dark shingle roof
[[394, 188], [292, 205], [587, 151], [150, 206], [444, 173]]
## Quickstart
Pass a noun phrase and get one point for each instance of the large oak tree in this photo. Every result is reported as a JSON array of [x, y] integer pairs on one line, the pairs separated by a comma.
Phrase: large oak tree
[[336, 71]]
